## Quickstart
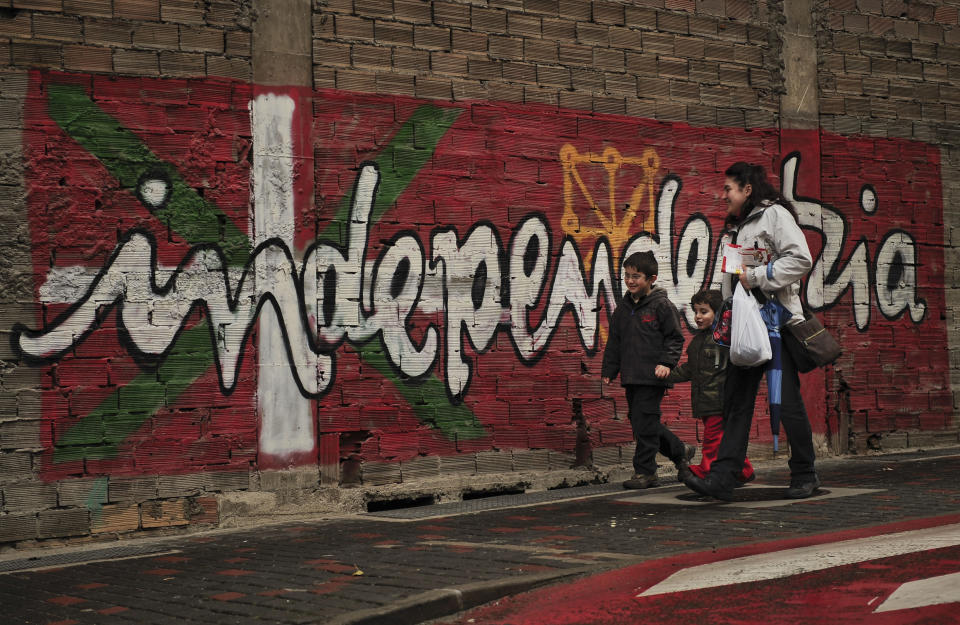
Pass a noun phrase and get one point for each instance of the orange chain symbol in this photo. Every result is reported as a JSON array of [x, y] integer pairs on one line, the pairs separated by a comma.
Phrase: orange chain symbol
[[615, 225]]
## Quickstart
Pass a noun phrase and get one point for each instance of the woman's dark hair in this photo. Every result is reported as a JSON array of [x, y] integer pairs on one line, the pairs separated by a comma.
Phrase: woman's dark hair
[[761, 189]]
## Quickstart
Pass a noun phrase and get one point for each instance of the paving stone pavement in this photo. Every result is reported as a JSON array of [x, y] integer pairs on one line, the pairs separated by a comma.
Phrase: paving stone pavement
[[407, 566]]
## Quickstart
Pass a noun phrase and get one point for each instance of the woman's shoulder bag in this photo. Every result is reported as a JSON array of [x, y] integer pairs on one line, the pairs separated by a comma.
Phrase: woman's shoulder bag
[[810, 344]]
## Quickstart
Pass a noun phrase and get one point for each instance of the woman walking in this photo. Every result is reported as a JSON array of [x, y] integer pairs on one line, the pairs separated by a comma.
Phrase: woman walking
[[761, 217]]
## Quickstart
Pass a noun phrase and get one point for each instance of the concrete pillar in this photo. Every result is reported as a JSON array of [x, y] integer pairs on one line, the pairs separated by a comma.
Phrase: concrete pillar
[[282, 43], [799, 107], [799, 131], [281, 115]]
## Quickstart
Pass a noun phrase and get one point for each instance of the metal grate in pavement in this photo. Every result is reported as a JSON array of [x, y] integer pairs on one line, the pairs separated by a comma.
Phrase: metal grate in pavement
[[498, 502], [74, 558]]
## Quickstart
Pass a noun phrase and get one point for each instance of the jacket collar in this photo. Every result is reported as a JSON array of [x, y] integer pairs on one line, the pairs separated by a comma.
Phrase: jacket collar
[[654, 294], [755, 213]]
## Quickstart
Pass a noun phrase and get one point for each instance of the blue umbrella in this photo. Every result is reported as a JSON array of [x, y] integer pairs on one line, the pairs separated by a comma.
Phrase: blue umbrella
[[774, 314]]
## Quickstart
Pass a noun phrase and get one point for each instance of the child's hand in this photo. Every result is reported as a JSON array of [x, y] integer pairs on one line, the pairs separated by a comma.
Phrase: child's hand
[[661, 372]]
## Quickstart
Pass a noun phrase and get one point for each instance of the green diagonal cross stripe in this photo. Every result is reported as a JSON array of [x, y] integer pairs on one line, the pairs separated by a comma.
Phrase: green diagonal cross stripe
[[127, 159], [426, 399], [409, 150], [99, 434]]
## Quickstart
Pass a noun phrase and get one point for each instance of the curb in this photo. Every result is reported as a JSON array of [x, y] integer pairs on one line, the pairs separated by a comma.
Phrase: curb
[[442, 602]]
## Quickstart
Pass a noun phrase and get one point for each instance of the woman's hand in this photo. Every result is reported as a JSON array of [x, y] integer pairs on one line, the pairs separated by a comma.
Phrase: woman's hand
[[743, 280]]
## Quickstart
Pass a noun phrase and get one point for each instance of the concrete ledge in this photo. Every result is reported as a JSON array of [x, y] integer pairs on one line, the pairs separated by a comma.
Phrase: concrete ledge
[[299, 497], [423, 607], [442, 602]]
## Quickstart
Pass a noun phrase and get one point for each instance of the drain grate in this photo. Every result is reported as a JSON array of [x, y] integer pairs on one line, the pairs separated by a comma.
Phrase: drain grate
[[498, 502], [76, 558], [395, 504]]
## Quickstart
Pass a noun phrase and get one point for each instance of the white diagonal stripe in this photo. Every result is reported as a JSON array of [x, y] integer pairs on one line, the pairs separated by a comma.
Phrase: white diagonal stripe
[[923, 592], [672, 498], [805, 559]]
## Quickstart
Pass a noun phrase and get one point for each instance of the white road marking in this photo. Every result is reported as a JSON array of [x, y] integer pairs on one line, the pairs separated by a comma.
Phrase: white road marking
[[549, 553], [788, 562], [66, 565], [502, 546], [923, 592], [673, 498]]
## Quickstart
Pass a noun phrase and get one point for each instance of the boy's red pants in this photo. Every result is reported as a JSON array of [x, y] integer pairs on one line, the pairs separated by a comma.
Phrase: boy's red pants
[[712, 433]]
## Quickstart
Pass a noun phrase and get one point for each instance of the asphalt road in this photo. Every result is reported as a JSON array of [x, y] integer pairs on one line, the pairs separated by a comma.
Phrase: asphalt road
[[586, 553], [896, 574]]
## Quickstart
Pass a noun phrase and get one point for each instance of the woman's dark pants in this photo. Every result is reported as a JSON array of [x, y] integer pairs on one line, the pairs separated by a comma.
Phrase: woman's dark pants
[[740, 396]]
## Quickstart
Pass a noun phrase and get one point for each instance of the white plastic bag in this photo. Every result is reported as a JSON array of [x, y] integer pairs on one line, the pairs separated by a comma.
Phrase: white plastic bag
[[749, 341]]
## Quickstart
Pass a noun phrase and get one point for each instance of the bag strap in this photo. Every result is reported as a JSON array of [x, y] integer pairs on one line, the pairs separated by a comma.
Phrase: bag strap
[[755, 291]]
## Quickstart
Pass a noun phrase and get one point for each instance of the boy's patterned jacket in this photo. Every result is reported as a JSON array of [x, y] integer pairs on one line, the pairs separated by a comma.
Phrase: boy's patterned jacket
[[706, 370]]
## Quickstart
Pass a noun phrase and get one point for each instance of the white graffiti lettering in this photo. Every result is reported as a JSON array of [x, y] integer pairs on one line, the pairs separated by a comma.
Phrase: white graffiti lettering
[[830, 277], [476, 286]]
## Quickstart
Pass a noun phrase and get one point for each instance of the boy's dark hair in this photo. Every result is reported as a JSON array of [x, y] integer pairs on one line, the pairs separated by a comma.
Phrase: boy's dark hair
[[711, 297], [644, 262]]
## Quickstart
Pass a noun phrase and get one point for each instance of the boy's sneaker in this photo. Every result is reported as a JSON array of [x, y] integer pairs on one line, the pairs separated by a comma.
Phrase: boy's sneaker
[[639, 480], [683, 464], [803, 487], [743, 482]]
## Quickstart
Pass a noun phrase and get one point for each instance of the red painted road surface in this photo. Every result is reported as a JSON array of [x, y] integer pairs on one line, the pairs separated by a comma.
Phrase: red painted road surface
[[917, 587]]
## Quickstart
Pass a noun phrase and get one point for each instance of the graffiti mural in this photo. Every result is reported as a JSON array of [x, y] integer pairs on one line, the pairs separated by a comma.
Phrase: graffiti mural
[[226, 274]]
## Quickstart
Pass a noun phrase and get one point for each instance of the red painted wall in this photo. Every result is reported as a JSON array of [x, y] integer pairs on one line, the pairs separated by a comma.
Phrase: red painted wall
[[447, 170]]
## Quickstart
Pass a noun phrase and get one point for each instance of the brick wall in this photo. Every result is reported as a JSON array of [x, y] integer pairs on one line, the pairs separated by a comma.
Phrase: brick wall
[[706, 63], [889, 70], [499, 131], [130, 37]]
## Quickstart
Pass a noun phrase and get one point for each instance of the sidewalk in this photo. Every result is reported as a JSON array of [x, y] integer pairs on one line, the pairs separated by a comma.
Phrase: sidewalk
[[410, 565]]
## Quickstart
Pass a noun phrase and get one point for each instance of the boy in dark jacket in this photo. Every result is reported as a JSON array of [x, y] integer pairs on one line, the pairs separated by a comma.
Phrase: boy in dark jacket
[[645, 343], [706, 370]]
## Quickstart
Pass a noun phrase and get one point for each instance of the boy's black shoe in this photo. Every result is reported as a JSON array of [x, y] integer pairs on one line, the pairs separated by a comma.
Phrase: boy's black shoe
[[683, 464], [640, 480], [709, 486], [803, 488], [741, 484]]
